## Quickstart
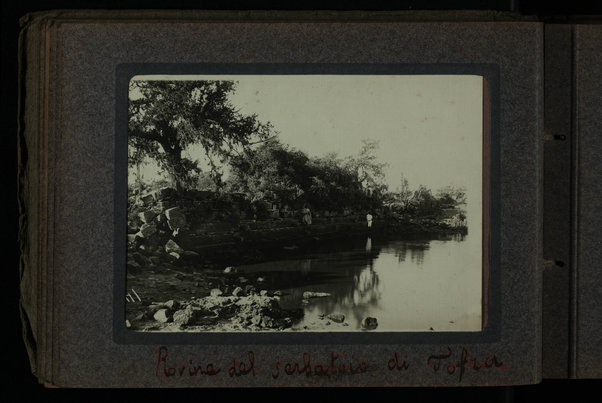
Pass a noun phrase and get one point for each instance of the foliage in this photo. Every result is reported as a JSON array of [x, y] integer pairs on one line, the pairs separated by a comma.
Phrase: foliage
[[424, 204], [279, 173], [370, 172], [334, 186], [270, 172], [421, 203], [403, 195], [451, 197], [166, 117]]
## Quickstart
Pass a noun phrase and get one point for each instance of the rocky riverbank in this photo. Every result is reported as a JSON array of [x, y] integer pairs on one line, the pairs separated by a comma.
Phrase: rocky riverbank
[[236, 312], [181, 249], [218, 312]]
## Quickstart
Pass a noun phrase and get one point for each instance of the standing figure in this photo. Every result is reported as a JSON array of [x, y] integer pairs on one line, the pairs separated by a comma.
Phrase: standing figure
[[369, 219], [306, 216]]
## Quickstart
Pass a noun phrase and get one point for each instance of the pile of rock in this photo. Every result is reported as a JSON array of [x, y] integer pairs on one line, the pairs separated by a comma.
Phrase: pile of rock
[[218, 311], [154, 225]]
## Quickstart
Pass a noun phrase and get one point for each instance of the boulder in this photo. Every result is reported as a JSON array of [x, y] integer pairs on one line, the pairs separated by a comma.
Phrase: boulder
[[174, 255], [237, 291], [147, 230], [157, 209], [161, 220], [171, 246], [175, 218], [256, 320], [268, 322], [184, 316], [146, 199], [172, 305], [228, 269], [369, 323], [162, 315], [147, 216], [337, 317], [164, 204], [165, 193], [133, 226], [216, 292], [155, 306]]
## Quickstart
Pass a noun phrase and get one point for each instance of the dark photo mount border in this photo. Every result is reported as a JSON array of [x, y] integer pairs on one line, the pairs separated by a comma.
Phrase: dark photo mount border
[[491, 295]]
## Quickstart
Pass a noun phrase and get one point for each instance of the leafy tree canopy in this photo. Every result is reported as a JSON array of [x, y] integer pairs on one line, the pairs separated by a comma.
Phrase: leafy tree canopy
[[166, 117], [370, 172], [277, 172]]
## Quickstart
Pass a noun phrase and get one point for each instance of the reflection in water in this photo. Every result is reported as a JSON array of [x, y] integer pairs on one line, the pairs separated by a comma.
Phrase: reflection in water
[[438, 286], [458, 237], [305, 266], [416, 249]]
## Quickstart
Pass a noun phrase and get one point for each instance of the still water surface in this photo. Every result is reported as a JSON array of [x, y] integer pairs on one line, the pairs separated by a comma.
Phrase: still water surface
[[419, 284]]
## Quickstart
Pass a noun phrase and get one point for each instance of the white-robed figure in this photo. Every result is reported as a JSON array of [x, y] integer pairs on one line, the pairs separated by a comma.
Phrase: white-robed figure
[[369, 220], [306, 215]]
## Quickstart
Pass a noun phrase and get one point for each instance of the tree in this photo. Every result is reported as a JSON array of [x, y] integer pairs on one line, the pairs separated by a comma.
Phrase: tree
[[276, 172], [425, 204], [167, 117], [369, 171], [271, 171], [451, 197], [404, 194], [334, 185]]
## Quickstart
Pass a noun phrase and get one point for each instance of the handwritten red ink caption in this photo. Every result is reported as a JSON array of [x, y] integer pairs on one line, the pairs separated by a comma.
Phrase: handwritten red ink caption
[[335, 367], [466, 361], [398, 363], [338, 365], [185, 368], [241, 367]]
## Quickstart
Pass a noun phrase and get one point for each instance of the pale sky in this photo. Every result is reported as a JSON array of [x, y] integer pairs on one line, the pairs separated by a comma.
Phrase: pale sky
[[429, 127]]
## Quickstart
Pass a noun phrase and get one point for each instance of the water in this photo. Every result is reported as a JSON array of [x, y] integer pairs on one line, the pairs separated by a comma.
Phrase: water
[[406, 284]]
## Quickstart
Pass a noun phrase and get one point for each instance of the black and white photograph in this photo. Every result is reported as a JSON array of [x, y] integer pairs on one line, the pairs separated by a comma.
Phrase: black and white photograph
[[305, 203]]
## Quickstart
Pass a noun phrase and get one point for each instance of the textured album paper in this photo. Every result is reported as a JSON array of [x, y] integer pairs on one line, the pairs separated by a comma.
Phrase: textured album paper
[[285, 199]]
